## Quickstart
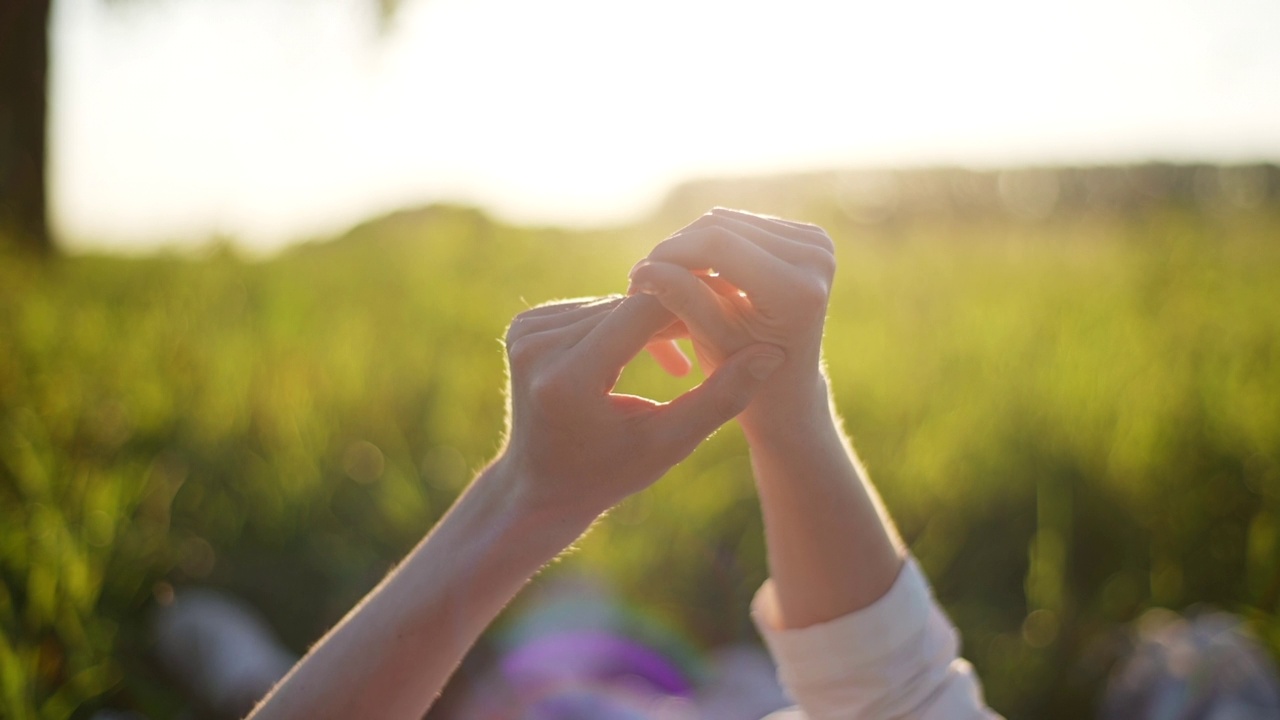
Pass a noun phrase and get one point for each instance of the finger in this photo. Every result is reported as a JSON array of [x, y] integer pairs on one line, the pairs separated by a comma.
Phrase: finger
[[778, 239], [526, 350], [560, 307], [699, 307], [814, 262], [619, 336], [733, 257], [691, 418], [570, 334], [670, 357], [552, 307], [799, 231], [722, 287], [675, 331], [559, 314]]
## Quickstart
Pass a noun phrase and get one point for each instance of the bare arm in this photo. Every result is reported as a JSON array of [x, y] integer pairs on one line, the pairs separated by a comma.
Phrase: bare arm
[[733, 279], [854, 629], [574, 450]]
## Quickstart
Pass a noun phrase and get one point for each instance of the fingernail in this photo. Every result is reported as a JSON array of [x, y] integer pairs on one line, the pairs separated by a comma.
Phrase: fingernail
[[636, 267], [644, 286], [763, 365]]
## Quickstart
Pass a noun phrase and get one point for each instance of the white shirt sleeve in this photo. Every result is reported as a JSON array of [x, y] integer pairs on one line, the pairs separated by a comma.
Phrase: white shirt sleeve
[[898, 658]]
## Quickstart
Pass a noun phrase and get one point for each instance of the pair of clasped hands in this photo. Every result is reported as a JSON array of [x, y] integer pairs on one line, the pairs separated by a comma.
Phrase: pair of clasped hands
[[750, 292]]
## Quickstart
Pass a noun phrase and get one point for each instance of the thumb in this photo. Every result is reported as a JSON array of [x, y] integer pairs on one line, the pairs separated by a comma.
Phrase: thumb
[[691, 418]]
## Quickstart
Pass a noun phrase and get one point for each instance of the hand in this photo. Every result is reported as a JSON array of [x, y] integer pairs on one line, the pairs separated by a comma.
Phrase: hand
[[573, 450], [734, 279], [574, 446]]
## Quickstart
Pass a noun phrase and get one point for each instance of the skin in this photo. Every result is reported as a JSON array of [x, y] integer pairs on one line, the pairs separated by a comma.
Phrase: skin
[[574, 450], [751, 293], [734, 279]]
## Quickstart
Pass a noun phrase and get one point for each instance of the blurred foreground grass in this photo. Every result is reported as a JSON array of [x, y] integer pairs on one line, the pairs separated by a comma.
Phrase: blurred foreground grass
[[1072, 420]]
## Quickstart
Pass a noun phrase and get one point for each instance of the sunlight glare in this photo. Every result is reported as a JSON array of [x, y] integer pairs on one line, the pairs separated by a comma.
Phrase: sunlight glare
[[580, 112]]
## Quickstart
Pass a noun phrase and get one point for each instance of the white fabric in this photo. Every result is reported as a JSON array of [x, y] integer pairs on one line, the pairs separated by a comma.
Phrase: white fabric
[[898, 658]]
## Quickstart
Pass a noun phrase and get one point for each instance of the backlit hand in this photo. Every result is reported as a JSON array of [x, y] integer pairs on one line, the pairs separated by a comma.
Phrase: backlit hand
[[576, 447], [734, 279]]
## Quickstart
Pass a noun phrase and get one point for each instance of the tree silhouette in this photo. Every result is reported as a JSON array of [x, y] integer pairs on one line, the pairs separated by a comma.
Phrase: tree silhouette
[[24, 102], [24, 90]]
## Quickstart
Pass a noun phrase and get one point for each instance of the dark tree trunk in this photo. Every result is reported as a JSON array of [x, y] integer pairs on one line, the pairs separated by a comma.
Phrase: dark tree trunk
[[24, 93]]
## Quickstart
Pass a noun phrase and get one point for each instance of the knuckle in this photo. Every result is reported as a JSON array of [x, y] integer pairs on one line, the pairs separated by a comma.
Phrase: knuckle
[[521, 352], [514, 332], [812, 293], [674, 297], [815, 236], [822, 261], [823, 240], [702, 223], [520, 324]]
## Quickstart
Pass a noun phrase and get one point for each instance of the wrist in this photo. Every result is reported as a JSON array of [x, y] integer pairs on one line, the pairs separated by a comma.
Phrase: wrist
[[797, 409], [539, 512]]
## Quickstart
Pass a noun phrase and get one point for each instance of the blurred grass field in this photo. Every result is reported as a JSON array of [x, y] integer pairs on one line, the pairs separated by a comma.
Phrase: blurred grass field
[[1072, 419]]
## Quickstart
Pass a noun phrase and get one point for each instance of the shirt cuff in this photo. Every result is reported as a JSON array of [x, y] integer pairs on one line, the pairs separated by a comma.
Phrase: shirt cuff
[[860, 638]]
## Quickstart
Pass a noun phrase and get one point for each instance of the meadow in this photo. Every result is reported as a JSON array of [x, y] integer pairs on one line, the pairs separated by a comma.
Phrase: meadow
[[1074, 416]]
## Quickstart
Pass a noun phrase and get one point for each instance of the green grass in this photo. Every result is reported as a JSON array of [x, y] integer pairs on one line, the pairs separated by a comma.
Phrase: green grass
[[1076, 418]]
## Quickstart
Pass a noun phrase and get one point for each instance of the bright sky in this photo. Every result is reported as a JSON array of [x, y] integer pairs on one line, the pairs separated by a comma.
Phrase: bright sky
[[272, 120]]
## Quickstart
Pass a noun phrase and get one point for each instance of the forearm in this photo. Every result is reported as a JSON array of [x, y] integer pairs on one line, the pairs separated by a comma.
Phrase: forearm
[[733, 278], [854, 632], [832, 549], [392, 654]]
